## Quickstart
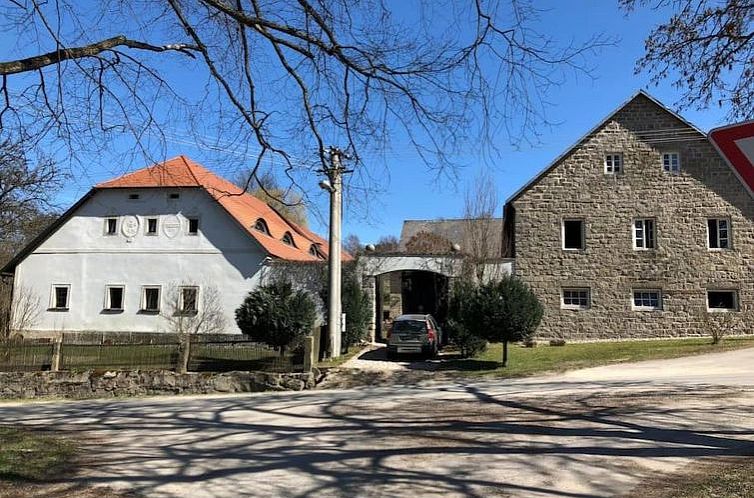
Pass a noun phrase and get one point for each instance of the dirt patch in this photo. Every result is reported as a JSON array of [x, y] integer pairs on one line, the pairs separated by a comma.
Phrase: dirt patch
[[731, 477]]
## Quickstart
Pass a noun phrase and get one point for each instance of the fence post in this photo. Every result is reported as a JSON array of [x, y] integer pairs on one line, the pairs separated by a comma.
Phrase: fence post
[[57, 348], [309, 358]]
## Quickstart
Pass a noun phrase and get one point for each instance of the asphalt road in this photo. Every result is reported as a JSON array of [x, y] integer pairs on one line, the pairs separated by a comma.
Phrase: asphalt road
[[589, 433]]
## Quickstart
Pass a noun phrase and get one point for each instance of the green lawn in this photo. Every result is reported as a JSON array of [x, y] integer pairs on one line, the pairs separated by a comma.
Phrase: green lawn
[[28, 455], [528, 361]]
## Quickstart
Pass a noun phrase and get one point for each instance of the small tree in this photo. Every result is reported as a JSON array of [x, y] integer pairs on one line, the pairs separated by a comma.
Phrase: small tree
[[276, 315], [192, 309], [506, 310]]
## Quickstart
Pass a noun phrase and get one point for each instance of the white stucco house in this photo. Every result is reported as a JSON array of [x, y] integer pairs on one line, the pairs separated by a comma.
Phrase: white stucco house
[[119, 256]]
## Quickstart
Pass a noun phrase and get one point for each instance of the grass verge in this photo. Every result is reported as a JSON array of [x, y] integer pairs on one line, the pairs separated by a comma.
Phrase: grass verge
[[717, 478], [336, 362], [27, 455], [529, 361]]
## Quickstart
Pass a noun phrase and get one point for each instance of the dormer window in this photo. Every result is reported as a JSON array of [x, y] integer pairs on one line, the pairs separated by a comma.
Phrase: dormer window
[[288, 239], [314, 251], [261, 226], [133, 197]]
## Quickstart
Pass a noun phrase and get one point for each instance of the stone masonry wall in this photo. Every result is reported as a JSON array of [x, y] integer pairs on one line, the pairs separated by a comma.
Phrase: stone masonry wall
[[93, 384], [681, 266]]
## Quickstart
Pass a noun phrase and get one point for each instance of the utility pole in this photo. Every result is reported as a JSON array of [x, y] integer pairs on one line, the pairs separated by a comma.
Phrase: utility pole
[[334, 308]]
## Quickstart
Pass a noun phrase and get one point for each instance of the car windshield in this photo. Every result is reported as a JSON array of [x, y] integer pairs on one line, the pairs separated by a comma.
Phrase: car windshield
[[410, 326]]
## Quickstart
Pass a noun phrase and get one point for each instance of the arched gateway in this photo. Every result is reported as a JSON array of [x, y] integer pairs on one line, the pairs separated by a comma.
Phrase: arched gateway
[[404, 283]]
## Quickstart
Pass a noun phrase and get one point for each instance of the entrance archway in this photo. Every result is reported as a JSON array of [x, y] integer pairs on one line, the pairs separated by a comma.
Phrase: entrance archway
[[403, 292]]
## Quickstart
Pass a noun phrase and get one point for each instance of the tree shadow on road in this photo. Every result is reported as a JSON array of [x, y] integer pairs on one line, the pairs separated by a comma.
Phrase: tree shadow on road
[[457, 440]]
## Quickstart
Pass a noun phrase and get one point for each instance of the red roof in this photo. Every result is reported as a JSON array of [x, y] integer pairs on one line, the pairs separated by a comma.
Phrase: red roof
[[242, 206]]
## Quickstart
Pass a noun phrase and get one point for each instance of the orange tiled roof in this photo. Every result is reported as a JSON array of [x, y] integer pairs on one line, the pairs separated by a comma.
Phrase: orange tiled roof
[[242, 206]]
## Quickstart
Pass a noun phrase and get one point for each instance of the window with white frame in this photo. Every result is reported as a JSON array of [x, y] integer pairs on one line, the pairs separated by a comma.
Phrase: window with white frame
[[671, 162], [722, 300], [644, 234], [576, 298], [111, 226], [61, 296], [613, 163], [151, 226], [189, 299], [647, 299], [718, 233], [150, 298], [114, 297], [573, 235]]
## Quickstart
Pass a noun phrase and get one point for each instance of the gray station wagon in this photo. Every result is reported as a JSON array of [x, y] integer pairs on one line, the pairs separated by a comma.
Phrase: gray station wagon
[[414, 334]]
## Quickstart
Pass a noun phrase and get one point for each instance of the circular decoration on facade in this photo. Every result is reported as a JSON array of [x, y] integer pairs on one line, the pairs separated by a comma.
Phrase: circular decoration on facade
[[130, 226], [171, 226]]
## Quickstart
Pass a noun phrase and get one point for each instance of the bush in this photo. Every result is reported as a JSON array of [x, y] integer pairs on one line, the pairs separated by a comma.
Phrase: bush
[[276, 315], [355, 303], [459, 325]]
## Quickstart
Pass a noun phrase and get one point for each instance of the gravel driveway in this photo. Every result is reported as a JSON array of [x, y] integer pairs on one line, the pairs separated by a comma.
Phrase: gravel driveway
[[591, 433]]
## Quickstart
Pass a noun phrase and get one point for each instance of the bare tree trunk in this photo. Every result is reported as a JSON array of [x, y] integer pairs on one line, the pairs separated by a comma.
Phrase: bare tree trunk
[[185, 353], [505, 353]]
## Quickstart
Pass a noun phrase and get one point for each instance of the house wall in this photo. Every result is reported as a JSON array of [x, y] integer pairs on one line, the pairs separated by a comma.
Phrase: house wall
[[81, 255], [681, 266]]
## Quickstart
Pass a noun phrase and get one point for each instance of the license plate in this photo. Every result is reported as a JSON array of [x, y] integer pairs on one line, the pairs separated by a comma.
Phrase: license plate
[[409, 350]]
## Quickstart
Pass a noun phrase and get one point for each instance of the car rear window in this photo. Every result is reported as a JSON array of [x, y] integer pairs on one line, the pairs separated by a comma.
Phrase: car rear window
[[410, 326]]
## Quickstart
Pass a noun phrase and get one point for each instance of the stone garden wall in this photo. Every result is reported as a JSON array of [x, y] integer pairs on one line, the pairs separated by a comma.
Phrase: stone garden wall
[[98, 384]]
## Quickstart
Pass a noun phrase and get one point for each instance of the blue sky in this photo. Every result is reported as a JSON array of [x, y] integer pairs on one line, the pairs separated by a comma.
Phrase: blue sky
[[411, 191], [579, 104]]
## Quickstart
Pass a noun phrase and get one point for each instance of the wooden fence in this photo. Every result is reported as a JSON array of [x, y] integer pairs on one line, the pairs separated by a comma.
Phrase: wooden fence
[[204, 356]]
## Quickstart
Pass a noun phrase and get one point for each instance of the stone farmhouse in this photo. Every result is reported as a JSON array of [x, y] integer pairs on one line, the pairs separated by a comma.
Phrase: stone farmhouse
[[641, 229], [151, 244]]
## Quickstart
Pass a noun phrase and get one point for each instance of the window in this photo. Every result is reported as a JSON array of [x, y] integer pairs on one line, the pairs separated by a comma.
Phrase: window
[[151, 226], [60, 296], [173, 196], [576, 298], [671, 162], [314, 251], [613, 163], [644, 234], [114, 297], [573, 234], [193, 226], [722, 300], [718, 233], [261, 226], [111, 226], [288, 239], [646, 299], [133, 197], [189, 299], [150, 298]]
